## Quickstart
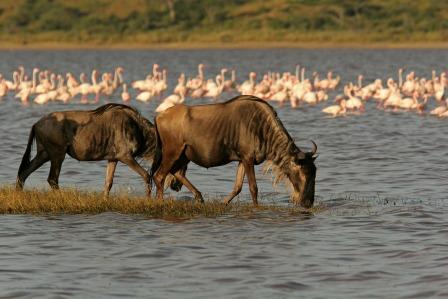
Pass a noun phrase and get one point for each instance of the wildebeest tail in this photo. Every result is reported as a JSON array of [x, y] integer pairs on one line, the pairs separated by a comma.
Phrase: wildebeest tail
[[27, 155], [157, 154]]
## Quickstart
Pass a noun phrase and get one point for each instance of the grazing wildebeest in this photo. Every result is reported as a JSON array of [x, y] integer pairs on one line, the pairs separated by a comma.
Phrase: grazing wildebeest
[[244, 129], [112, 132]]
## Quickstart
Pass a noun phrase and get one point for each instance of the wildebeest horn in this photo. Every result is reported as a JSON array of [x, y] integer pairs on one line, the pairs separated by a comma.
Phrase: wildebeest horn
[[314, 149]]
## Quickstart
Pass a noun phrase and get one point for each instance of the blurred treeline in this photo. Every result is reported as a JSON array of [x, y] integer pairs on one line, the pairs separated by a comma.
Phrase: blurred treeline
[[142, 21]]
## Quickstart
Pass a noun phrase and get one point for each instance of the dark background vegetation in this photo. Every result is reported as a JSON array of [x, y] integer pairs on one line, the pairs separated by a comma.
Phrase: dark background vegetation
[[184, 21]]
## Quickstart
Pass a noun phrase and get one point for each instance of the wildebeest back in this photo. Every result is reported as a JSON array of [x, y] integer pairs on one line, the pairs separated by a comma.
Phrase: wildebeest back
[[217, 133], [90, 136]]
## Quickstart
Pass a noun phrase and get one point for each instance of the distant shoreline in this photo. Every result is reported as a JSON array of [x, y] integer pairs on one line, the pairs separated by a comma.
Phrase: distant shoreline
[[219, 45]]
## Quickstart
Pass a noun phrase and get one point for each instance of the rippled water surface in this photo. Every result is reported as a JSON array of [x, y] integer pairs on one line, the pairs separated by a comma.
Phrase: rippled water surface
[[382, 177]]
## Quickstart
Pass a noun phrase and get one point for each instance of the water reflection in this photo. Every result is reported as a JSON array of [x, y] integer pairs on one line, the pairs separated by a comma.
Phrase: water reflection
[[378, 230]]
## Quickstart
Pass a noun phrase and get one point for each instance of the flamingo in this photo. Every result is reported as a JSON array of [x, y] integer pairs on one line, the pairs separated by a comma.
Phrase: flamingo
[[248, 86], [439, 88], [410, 103], [409, 84], [353, 103], [198, 81], [262, 89], [336, 110], [443, 114], [280, 96], [170, 101], [333, 81], [42, 98], [44, 85], [180, 83], [382, 93], [14, 84], [3, 87], [198, 93], [214, 89], [27, 89], [95, 87], [63, 93], [310, 97], [84, 88], [324, 83], [161, 85], [144, 96], [231, 83], [440, 109], [125, 96], [51, 93], [392, 97]]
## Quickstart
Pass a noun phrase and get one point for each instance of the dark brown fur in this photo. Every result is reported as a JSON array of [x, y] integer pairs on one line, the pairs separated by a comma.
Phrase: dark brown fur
[[112, 132], [244, 129]]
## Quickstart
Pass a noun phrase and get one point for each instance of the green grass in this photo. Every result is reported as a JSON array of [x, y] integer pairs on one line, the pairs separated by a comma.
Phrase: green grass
[[148, 22]]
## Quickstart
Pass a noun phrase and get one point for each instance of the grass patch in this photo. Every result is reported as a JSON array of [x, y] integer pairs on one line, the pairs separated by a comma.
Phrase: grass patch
[[73, 201], [148, 23]]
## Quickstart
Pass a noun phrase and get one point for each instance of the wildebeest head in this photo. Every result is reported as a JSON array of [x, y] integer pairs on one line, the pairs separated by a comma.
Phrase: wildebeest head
[[302, 174]]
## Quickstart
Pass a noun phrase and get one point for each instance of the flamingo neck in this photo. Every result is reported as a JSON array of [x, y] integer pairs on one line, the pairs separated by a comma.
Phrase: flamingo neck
[[34, 79], [94, 81]]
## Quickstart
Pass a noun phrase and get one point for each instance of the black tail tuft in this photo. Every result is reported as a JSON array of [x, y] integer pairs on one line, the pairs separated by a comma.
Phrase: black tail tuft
[[157, 154], [26, 158]]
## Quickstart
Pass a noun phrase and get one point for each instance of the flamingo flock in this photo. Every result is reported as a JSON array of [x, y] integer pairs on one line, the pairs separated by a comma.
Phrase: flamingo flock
[[46, 86], [285, 89]]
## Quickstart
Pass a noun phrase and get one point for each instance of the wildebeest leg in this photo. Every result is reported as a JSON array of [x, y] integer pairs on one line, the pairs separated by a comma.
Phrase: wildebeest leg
[[55, 170], [35, 163], [166, 166], [250, 173], [238, 184], [159, 180], [175, 184], [130, 161], [111, 165], [197, 194], [160, 176]]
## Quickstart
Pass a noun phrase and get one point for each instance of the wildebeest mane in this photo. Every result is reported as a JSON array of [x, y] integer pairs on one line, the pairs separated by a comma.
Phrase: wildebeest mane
[[267, 105], [100, 110], [278, 144], [144, 123]]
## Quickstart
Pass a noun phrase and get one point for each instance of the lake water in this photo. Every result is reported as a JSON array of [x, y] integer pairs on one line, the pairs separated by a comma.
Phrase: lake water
[[382, 176]]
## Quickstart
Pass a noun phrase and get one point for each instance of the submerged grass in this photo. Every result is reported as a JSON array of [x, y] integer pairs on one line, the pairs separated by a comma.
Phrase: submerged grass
[[73, 201]]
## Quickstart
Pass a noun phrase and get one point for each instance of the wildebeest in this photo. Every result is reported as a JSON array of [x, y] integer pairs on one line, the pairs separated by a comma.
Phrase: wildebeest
[[112, 132], [244, 129]]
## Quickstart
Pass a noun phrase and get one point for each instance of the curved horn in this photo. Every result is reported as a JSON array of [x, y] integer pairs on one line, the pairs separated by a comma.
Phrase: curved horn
[[314, 149]]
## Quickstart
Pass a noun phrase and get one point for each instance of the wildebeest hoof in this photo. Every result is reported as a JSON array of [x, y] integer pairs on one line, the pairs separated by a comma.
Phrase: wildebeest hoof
[[226, 201], [19, 186], [199, 199]]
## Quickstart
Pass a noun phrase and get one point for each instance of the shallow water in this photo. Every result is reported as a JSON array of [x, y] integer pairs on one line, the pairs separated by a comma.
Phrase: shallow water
[[381, 177]]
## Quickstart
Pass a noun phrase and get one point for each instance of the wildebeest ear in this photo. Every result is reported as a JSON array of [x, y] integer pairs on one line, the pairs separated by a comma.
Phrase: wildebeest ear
[[301, 156], [293, 150]]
